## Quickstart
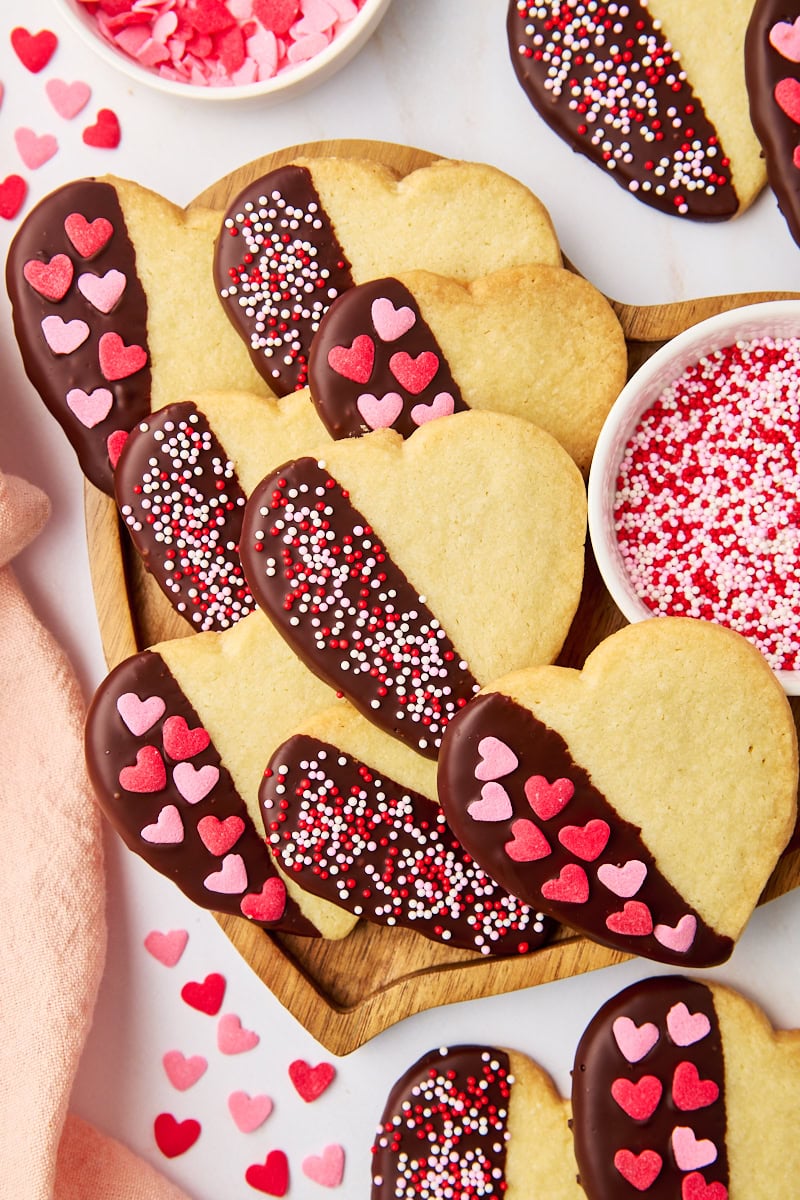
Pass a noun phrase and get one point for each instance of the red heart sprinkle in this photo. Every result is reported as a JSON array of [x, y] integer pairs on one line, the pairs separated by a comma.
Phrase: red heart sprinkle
[[529, 843], [635, 920], [310, 1081], [114, 443], [276, 15], [218, 836], [267, 905], [50, 279], [787, 97], [638, 1100], [694, 1187], [230, 49], [547, 799], [147, 775], [639, 1170], [175, 1137], [689, 1091], [414, 374], [571, 887], [34, 50], [585, 841], [118, 361], [181, 742], [353, 362], [207, 996], [209, 16], [13, 191], [271, 1176], [105, 133], [87, 237]]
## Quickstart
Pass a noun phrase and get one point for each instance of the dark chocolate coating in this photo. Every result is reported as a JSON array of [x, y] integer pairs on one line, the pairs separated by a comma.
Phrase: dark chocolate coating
[[180, 498], [111, 747], [336, 397], [601, 1127], [278, 266], [40, 237], [620, 118], [321, 573], [360, 840], [444, 1130], [766, 67], [541, 751]]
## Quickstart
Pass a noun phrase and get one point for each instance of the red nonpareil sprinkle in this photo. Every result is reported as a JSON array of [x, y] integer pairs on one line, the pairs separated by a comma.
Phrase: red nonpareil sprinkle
[[707, 511]]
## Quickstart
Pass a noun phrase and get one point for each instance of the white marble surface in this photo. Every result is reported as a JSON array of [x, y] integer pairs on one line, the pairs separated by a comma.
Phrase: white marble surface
[[436, 75]]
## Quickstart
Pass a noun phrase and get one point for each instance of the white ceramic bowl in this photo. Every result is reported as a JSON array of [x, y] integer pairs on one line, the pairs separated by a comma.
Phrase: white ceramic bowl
[[779, 318], [290, 82]]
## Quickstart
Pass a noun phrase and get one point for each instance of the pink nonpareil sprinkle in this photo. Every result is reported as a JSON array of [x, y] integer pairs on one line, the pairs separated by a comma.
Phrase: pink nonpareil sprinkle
[[707, 510], [221, 43]]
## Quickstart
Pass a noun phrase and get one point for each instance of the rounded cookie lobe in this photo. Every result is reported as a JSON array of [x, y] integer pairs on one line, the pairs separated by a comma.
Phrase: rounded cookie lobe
[[278, 266], [384, 852], [375, 363], [179, 496], [71, 270], [161, 782], [558, 843], [444, 1129], [607, 80], [648, 1096], [322, 574]]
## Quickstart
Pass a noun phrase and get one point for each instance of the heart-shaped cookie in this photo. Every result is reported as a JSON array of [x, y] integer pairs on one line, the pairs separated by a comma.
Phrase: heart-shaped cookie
[[653, 94], [350, 814], [405, 572], [498, 342], [703, 1114], [295, 239], [474, 1121], [675, 754]]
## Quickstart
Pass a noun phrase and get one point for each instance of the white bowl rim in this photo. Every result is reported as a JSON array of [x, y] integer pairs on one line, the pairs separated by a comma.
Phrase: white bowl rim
[[765, 318], [314, 70]]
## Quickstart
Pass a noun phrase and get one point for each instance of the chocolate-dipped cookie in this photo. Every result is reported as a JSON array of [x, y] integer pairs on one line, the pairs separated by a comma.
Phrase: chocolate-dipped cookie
[[644, 800]]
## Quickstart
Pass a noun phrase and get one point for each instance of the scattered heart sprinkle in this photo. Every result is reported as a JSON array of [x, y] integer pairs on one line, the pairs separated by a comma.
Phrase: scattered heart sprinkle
[[309, 1081], [207, 996]]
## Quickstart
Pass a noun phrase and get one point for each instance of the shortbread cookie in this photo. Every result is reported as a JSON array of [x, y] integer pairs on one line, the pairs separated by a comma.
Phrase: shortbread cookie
[[406, 572], [772, 70], [296, 238], [351, 816], [469, 1121], [652, 91], [682, 1089], [181, 484], [537, 341], [115, 312], [644, 800], [176, 742]]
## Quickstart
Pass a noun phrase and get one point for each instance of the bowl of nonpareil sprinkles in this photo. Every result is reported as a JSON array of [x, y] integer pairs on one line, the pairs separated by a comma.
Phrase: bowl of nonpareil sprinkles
[[694, 491]]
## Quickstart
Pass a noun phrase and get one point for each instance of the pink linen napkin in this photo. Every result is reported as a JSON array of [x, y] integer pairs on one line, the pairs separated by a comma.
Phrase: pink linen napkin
[[52, 906]]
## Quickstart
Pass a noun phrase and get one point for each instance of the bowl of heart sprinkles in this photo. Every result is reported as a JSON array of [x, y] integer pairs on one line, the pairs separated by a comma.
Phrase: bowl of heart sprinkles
[[694, 490], [226, 49]]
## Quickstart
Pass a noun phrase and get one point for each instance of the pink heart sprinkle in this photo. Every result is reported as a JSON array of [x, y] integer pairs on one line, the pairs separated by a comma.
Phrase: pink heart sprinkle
[[326, 1168], [785, 38], [103, 291], [63, 337], [140, 715], [249, 1112], [528, 843], [692, 1152], [307, 47], [166, 948], [677, 937], [442, 405], [34, 150], [231, 879], [168, 829], [380, 413], [548, 799], [494, 805], [686, 1028], [194, 783], [232, 1038], [623, 881], [496, 759], [390, 322], [183, 1072], [68, 99], [634, 1041], [90, 407]]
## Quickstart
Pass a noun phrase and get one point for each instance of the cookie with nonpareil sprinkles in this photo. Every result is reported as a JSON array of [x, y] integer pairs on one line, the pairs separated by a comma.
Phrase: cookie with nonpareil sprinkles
[[651, 91], [474, 1121], [295, 239], [772, 70], [115, 312], [406, 572], [350, 814], [399, 352], [644, 800], [176, 742], [181, 484], [682, 1090]]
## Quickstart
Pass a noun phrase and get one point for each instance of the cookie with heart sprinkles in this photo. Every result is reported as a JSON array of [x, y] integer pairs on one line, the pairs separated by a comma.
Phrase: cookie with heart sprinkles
[[644, 800], [651, 91]]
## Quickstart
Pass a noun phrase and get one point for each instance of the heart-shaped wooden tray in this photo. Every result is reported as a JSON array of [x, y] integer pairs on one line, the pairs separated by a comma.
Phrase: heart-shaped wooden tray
[[346, 992]]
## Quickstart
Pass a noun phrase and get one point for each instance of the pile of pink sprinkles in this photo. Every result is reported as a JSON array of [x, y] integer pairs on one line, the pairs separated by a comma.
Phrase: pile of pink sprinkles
[[707, 508]]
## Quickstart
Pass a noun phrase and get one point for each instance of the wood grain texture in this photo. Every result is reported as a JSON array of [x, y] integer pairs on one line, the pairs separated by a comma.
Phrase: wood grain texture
[[346, 992]]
